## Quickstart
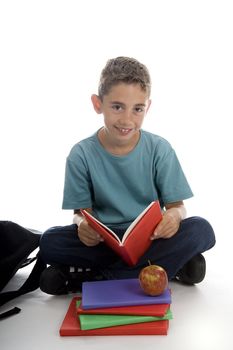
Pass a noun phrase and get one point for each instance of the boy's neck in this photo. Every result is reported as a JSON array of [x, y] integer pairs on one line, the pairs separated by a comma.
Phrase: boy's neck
[[117, 149]]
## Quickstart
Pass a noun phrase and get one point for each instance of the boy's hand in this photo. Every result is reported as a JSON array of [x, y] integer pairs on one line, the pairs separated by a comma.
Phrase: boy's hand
[[170, 222], [87, 235]]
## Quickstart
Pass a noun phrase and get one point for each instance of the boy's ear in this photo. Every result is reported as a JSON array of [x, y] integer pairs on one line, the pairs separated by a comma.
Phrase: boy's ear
[[149, 103], [97, 104]]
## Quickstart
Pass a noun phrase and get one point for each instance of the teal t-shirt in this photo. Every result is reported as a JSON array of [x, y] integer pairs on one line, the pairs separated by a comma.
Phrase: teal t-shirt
[[119, 188]]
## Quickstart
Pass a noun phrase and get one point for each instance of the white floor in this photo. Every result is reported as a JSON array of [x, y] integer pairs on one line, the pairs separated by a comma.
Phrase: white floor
[[202, 318]]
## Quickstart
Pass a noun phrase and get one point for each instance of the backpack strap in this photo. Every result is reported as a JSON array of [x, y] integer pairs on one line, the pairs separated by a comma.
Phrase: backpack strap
[[29, 285], [11, 312]]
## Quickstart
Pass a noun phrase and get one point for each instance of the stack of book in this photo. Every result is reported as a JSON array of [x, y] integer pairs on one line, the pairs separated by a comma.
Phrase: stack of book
[[117, 307]]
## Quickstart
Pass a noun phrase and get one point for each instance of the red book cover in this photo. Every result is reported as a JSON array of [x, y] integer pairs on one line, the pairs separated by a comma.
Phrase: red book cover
[[138, 310], [136, 239], [71, 326]]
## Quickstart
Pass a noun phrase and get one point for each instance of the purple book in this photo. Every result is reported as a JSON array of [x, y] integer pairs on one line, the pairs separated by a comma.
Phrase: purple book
[[113, 293]]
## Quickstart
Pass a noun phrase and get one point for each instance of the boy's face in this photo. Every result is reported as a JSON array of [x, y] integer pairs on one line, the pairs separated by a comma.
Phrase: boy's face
[[124, 109]]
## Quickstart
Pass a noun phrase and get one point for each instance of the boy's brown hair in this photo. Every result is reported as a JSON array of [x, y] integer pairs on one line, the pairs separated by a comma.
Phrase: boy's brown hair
[[123, 69]]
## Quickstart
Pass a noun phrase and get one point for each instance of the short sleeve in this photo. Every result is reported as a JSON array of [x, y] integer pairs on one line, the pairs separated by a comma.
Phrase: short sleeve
[[77, 188], [170, 179]]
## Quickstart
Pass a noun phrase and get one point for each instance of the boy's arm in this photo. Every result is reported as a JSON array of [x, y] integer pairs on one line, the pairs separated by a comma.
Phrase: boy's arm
[[179, 208], [174, 214], [78, 218], [85, 232]]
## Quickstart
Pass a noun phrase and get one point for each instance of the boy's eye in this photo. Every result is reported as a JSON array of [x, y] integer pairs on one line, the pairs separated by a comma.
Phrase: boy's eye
[[139, 109], [116, 107]]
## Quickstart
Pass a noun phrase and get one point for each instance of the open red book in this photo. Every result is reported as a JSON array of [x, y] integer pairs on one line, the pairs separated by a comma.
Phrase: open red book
[[136, 239]]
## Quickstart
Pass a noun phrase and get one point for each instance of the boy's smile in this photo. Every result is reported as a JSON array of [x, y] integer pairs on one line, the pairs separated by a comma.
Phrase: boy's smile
[[124, 109]]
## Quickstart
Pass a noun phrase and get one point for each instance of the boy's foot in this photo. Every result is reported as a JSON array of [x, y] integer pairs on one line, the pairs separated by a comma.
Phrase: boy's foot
[[62, 280], [193, 271]]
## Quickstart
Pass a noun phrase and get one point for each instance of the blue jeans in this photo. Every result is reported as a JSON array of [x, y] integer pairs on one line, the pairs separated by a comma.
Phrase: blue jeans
[[61, 246]]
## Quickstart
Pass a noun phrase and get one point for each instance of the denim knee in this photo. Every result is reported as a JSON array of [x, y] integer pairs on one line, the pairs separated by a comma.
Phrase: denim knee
[[203, 232], [50, 243], [46, 237], [45, 244]]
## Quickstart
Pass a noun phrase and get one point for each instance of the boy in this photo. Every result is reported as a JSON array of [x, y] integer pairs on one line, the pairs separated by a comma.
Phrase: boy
[[115, 174]]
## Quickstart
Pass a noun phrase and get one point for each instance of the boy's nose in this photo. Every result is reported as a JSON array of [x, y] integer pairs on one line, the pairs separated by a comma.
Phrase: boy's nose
[[127, 116]]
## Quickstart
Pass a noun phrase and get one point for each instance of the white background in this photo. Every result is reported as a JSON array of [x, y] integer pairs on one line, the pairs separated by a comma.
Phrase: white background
[[52, 53]]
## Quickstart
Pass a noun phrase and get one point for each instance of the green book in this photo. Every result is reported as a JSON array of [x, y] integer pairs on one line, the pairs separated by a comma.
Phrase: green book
[[103, 321]]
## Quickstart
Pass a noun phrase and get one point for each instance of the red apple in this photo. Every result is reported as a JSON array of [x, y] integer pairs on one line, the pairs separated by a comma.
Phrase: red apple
[[153, 280]]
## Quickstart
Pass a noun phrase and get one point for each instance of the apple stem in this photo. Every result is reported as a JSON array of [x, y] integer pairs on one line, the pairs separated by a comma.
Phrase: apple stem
[[149, 262]]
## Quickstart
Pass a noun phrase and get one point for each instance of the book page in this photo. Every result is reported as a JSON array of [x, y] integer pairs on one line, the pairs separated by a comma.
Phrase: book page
[[134, 223], [92, 218]]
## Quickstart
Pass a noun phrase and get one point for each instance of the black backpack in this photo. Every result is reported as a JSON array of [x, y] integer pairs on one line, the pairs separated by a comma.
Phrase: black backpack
[[16, 244]]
